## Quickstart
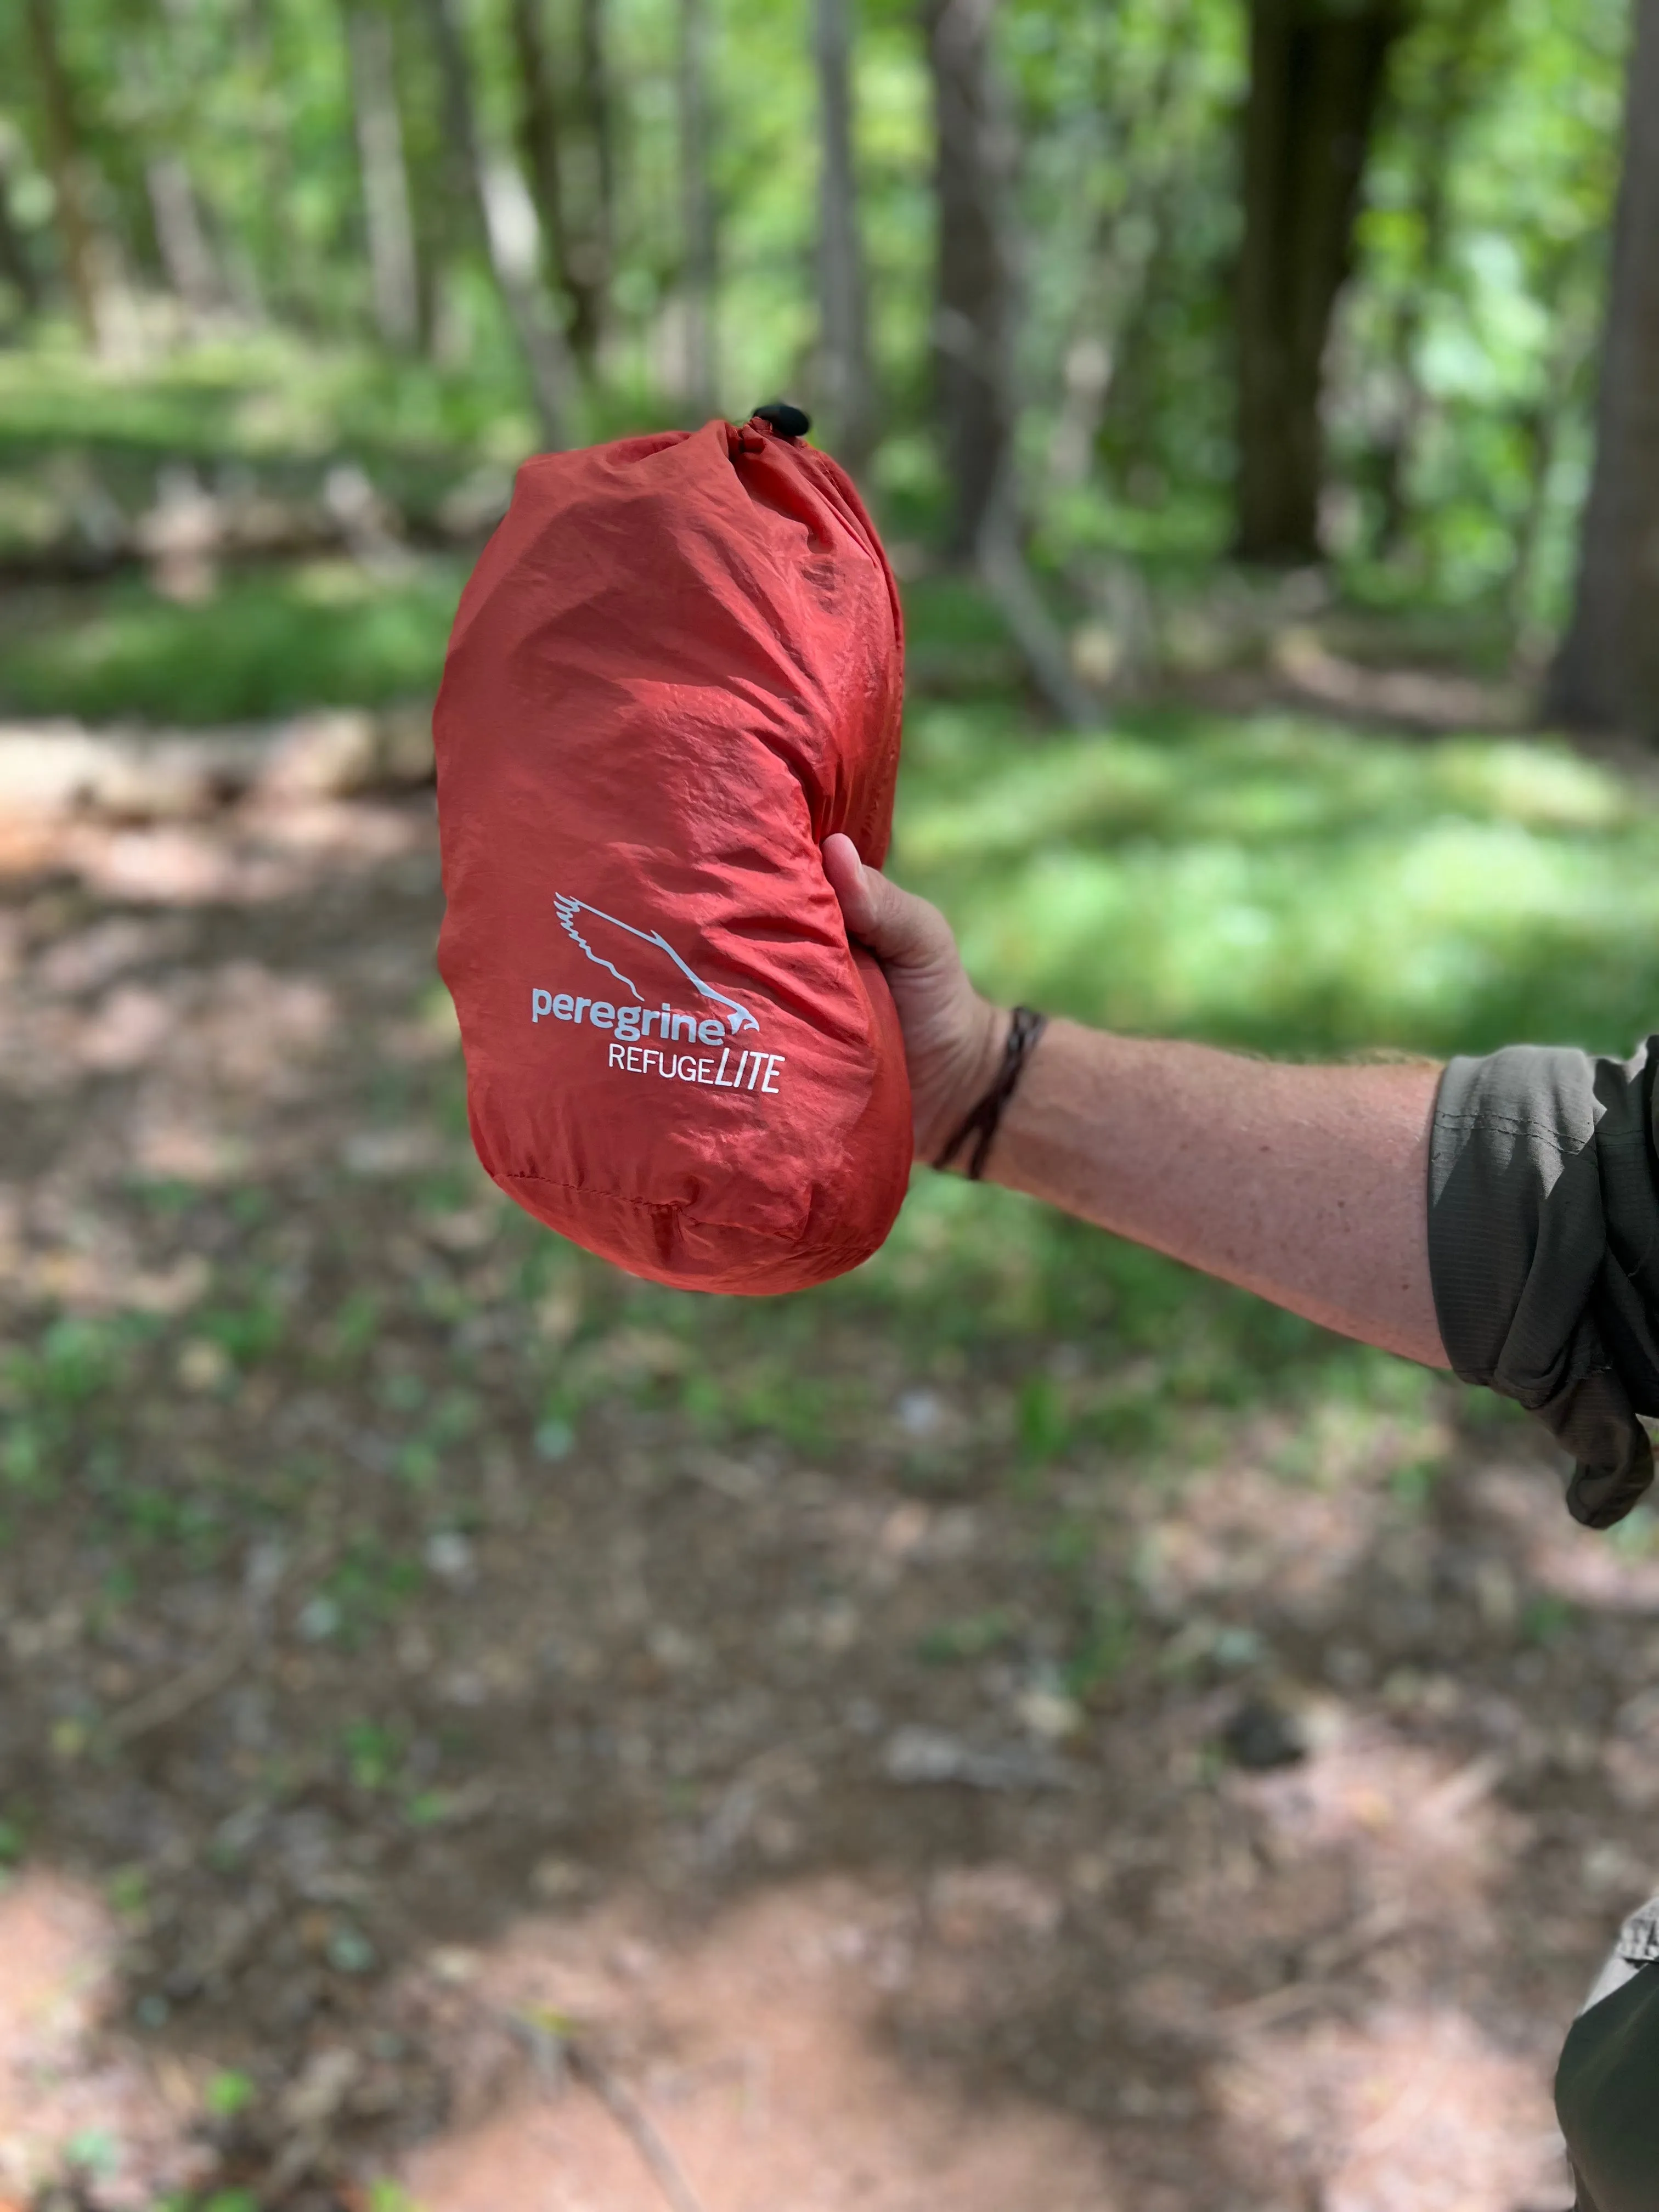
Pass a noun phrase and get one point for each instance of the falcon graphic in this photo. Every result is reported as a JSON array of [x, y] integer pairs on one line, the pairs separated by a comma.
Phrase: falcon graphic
[[579, 920]]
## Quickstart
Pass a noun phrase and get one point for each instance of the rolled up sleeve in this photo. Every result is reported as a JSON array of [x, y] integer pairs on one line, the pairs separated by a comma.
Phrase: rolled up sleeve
[[1544, 1251]]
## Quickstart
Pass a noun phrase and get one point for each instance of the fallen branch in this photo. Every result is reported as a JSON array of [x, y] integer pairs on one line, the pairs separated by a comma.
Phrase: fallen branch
[[170, 1701], [636, 2124], [56, 769], [555, 2048]]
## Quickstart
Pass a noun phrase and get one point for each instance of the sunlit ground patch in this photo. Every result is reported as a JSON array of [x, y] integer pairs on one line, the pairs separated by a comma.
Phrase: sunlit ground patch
[[753, 2058], [1410, 2109], [74, 2096], [1292, 885]]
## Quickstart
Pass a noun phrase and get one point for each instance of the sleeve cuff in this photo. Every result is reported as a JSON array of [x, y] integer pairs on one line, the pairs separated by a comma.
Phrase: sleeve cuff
[[1540, 1192]]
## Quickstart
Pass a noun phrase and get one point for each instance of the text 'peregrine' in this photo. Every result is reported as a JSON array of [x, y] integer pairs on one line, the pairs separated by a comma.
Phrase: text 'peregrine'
[[749, 1070]]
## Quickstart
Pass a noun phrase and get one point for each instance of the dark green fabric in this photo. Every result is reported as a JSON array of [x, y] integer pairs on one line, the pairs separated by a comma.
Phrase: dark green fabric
[[1544, 1255], [1607, 2094], [1544, 1251]]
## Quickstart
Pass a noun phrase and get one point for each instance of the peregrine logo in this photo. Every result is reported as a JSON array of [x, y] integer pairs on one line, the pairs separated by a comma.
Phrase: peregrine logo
[[629, 955], [573, 911]]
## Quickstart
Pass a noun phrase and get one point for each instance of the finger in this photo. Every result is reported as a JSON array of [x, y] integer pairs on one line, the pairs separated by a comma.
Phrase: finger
[[846, 873], [900, 929]]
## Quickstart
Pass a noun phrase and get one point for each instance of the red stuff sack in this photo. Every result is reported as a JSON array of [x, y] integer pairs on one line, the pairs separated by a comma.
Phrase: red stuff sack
[[676, 669]]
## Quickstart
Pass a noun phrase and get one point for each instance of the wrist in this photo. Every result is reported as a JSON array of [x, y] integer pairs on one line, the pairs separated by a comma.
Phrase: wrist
[[979, 1063]]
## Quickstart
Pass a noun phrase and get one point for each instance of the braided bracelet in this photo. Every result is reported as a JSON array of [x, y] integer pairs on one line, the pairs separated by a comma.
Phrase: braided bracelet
[[1024, 1031]]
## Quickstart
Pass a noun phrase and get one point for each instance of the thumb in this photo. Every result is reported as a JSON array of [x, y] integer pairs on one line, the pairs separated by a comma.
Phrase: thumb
[[902, 930]]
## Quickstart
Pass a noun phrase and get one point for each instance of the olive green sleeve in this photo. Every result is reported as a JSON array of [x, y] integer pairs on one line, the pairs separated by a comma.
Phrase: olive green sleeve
[[1544, 1251], [1605, 2096]]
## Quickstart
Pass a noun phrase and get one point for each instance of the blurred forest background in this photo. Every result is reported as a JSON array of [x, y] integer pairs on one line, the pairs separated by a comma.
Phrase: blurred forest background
[[1126, 290], [1019, 1724]]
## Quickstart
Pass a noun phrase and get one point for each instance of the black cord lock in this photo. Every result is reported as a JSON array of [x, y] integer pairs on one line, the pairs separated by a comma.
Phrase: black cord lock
[[791, 422]]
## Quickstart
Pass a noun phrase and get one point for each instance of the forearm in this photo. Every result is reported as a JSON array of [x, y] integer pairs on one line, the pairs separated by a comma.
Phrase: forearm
[[1306, 1185]]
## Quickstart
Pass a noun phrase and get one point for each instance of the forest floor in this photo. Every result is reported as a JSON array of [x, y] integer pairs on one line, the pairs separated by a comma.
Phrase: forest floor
[[449, 1759]]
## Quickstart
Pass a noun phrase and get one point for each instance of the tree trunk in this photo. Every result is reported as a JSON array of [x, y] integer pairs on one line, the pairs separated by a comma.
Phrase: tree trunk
[[66, 163], [848, 387], [538, 122], [1607, 674], [697, 202], [1573, 346], [392, 271], [180, 235], [597, 107], [1317, 77], [183, 239], [17, 267], [1007, 575], [973, 312], [1539, 426], [505, 218], [1462, 66], [973, 350], [1113, 358], [539, 146], [285, 263]]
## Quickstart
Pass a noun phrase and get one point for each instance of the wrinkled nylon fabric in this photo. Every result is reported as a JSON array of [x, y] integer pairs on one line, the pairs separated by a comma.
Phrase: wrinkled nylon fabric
[[1544, 1251], [676, 669]]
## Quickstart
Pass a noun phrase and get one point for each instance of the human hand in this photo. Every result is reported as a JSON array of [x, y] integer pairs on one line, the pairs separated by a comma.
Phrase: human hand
[[953, 1039]]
